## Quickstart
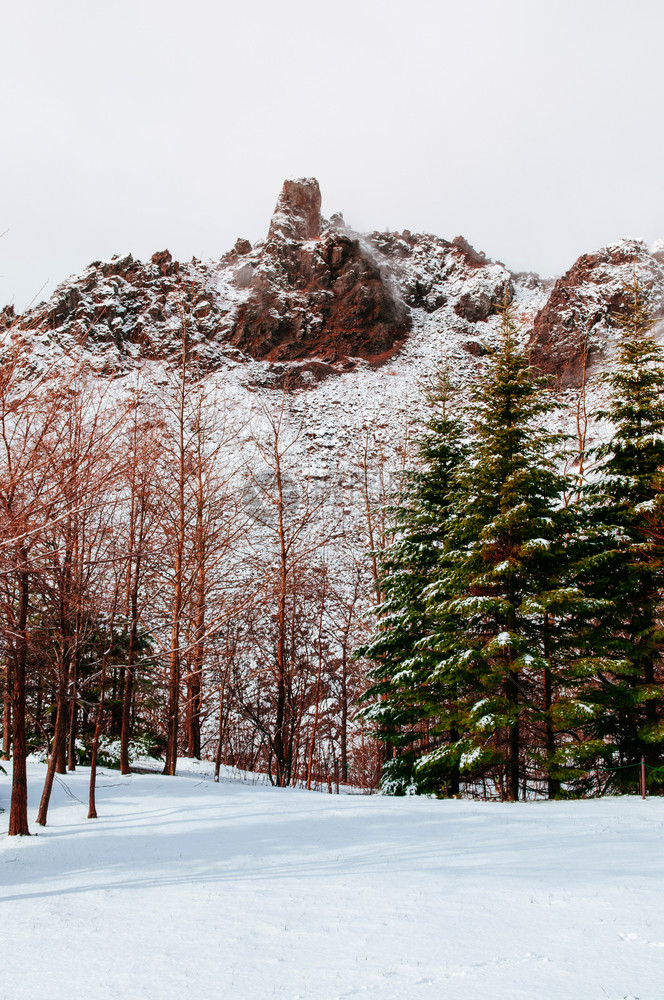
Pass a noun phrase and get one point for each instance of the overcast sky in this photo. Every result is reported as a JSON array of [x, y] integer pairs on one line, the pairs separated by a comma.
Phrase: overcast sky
[[531, 127]]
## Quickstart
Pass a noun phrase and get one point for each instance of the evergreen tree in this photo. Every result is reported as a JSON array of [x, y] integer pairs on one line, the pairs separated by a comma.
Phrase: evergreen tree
[[500, 581], [409, 711], [519, 634], [476, 667], [629, 566]]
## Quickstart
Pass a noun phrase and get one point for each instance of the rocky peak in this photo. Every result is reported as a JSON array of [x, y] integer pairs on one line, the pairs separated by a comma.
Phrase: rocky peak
[[316, 291], [164, 261], [577, 315], [297, 212]]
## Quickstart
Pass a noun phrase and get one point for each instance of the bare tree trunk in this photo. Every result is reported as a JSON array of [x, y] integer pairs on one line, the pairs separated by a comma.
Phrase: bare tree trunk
[[344, 715], [312, 741], [137, 533], [7, 710], [174, 678], [318, 677], [178, 579], [92, 805], [280, 721], [349, 615], [18, 814], [58, 744], [196, 672], [73, 715], [220, 734], [125, 732], [65, 667]]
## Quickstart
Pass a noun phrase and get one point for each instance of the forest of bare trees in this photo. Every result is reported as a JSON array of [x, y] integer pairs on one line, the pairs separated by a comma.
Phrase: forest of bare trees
[[174, 583]]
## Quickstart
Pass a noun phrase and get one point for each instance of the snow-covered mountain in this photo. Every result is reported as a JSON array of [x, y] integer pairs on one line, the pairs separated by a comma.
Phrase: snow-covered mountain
[[358, 320]]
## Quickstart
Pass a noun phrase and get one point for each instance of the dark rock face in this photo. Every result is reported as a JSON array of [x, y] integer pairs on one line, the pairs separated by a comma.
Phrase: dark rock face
[[7, 318], [577, 315], [322, 297]]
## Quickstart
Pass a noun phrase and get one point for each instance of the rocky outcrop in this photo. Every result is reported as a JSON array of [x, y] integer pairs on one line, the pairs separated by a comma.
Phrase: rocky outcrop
[[7, 318], [432, 272], [578, 314], [311, 292], [123, 309], [316, 292], [297, 213]]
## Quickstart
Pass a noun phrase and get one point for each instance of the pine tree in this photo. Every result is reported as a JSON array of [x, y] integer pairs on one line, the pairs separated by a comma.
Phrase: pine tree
[[501, 590], [629, 566], [408, 710], [477, 671], [518, 636]]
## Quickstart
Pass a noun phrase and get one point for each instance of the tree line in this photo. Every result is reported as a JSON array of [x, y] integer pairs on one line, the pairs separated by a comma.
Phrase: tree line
[[517, 646]]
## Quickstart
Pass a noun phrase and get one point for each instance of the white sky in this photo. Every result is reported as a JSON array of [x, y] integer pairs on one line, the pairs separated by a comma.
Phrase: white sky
[[532, 127]]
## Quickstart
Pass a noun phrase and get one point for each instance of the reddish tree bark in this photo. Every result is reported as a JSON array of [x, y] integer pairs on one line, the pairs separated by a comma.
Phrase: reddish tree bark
[[18, 813]]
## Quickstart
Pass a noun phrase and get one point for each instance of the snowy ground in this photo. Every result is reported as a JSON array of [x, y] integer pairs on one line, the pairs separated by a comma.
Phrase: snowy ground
[[184, 889]]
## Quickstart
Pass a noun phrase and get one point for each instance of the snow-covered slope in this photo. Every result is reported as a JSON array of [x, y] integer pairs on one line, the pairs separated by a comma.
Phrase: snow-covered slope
[[187, 888]]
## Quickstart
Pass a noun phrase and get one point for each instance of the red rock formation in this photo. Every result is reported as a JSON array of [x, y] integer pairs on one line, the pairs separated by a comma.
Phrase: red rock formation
[[164, 262], [580, 306], [7, 318], [307, 293], [297, 212], [315, 294]]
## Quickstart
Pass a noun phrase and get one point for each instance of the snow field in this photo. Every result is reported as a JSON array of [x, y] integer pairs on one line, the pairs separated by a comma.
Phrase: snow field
[[184, 888]]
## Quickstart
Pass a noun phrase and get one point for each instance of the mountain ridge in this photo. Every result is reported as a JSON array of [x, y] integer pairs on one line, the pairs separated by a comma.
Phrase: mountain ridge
[[316, 299]]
